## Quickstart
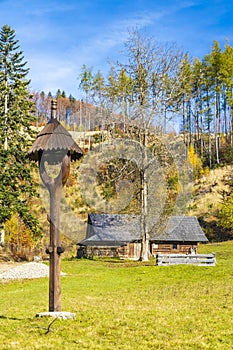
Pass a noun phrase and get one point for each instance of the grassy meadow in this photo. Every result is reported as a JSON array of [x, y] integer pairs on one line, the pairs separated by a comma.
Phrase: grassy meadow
[[125, 305]]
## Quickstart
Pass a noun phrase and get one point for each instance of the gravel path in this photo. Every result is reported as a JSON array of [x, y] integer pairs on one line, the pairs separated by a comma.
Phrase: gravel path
[[26, 270]]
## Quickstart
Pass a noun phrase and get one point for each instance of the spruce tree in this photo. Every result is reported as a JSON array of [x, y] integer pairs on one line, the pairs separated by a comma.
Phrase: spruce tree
[[16, 117]]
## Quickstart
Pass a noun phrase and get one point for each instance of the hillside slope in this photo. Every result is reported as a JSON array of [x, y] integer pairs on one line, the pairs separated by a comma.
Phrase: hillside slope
[[204, 204], [207, 198]]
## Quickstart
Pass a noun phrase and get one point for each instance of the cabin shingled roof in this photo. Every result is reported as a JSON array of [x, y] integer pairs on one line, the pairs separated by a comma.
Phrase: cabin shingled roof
[[112, 229], [181, 228], [119, 229]]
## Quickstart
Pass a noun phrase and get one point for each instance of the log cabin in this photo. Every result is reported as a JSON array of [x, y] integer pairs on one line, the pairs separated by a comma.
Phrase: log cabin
[[118, 235]]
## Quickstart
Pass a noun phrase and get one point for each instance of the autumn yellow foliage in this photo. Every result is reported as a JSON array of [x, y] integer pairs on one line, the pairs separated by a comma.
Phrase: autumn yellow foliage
[[195, 162], [17, 233]]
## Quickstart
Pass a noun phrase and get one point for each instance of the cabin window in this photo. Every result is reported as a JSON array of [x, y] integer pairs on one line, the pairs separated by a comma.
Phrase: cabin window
[[174, 246], [156, 246]]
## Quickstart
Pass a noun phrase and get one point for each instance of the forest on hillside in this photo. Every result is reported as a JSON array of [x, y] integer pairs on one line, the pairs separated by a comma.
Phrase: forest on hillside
[[155, 91], [194, 98]]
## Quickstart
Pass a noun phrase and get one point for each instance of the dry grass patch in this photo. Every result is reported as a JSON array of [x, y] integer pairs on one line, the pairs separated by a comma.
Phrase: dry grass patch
[[207, 192]]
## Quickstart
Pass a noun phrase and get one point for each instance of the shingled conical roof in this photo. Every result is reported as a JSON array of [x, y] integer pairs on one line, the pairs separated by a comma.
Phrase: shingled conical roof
[[54, 137]]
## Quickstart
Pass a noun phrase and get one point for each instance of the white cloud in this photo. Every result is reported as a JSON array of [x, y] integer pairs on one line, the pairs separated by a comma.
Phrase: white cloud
[[50, 74]]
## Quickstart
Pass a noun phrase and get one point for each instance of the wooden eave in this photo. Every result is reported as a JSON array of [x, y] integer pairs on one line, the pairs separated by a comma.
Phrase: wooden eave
[[52, 138]]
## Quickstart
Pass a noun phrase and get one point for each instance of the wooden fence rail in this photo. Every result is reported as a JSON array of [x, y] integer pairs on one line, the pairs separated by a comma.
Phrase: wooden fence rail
[[192, 259]]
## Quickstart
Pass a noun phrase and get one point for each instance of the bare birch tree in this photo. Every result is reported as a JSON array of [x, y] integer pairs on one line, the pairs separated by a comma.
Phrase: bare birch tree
[[152, 69]]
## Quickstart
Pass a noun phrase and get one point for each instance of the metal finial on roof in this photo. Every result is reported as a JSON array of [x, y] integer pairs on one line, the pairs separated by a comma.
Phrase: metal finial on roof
[[54, 137], [54, 109]]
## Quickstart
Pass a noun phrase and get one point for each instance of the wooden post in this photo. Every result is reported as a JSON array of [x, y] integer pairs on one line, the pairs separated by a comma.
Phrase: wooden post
[[55, 245], [54, 186]]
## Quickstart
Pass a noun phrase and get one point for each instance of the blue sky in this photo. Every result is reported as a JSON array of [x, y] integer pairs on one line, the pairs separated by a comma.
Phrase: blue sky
[[58, 36]]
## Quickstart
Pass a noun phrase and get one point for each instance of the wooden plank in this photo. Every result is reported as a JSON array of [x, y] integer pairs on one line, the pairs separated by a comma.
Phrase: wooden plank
[[187, 255], [189, 259]]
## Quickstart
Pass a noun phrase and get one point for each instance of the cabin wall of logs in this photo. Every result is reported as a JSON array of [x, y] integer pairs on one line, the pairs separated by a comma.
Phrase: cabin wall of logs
[[174, 247]]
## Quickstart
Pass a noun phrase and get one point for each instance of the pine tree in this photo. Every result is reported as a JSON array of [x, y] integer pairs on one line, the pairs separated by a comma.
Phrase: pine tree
[[16, 116]]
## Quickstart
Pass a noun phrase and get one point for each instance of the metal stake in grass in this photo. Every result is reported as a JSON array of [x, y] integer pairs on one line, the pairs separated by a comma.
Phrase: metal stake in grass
[[54, 148]]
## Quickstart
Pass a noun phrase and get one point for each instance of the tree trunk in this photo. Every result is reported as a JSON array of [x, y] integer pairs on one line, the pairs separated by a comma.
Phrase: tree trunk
[[145, 246], [217, 126], [6, 121]]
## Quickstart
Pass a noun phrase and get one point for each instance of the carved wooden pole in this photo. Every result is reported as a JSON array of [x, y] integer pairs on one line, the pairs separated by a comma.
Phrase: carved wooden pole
[[54, 146], [54, 186]]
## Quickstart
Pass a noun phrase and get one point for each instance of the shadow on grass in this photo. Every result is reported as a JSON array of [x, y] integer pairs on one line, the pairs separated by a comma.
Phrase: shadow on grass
[[11, 318]]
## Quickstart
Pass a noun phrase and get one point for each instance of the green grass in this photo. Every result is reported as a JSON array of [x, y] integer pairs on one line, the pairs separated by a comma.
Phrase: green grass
[[125, 305]]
